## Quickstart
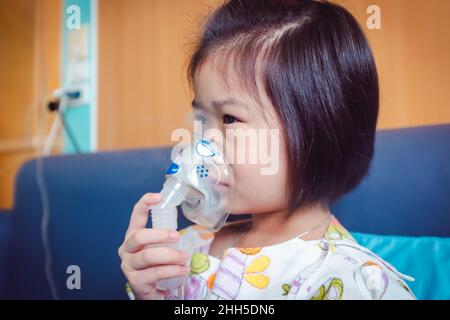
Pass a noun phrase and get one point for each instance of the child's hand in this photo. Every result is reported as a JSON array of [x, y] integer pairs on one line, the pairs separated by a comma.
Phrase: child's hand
[[143, 264]]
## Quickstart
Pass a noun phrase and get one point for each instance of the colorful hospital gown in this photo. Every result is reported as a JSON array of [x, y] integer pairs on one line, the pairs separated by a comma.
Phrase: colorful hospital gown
[[332, 268]]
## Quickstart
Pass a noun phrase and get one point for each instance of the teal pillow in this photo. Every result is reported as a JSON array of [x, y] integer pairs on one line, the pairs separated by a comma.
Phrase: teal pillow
[[427, 259]]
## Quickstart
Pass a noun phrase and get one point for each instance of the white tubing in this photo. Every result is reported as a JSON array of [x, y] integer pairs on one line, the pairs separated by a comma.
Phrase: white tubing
[[165, 216]]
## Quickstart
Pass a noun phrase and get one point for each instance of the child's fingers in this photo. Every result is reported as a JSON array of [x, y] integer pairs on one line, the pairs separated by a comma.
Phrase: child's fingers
[[157, 256], [139, 216], [144, 237], [152, 275]]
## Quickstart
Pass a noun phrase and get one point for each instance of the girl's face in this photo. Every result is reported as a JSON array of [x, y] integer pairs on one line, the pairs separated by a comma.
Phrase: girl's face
[[227, 108]]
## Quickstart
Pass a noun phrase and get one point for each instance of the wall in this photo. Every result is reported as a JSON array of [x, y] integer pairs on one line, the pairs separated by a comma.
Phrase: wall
[[29, 71], [412, 52], [143, 93]]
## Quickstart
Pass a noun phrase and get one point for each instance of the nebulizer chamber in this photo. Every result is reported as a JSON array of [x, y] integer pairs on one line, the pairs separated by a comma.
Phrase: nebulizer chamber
[[201, 182]]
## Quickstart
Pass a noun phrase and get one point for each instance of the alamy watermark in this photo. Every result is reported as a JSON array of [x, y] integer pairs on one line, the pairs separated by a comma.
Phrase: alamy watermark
[[73, 19], [74, 279], [373, 22]]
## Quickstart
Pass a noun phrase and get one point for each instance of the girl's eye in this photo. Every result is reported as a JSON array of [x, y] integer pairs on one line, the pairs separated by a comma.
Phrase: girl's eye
[[229, 119]]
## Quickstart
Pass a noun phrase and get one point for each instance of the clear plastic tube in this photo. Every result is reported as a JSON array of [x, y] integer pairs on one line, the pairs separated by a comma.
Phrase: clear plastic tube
[[164, 216]]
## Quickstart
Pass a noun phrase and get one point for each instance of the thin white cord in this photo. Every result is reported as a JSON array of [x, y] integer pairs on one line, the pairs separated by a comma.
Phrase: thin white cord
[[52, 136], [44, 227], [40, 74], [48, 146], [46, 243]]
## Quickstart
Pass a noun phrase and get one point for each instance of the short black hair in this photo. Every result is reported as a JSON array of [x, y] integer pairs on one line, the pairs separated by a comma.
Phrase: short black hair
[[320, 75]]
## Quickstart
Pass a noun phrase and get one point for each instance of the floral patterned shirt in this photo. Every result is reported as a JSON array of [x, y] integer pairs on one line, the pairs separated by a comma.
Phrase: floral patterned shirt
[[332, 268]]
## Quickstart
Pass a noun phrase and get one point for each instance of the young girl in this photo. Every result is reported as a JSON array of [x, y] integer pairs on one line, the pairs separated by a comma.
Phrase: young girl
[[304, 68]]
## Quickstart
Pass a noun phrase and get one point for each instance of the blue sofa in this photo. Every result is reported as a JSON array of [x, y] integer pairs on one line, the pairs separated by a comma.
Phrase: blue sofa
[[401, 211]]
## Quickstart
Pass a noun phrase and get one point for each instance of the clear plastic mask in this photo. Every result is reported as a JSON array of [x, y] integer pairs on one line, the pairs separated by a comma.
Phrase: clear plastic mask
[[210, 194]]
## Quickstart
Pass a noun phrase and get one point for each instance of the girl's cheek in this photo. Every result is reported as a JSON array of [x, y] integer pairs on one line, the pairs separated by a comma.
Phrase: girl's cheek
[[255, 193]]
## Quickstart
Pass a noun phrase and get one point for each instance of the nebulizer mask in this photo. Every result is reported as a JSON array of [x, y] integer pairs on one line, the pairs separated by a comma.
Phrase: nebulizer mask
[[200, 181]]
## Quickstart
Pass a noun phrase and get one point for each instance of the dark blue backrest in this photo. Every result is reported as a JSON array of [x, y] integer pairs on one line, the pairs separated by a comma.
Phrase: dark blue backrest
[[91, 196], [407, 191]]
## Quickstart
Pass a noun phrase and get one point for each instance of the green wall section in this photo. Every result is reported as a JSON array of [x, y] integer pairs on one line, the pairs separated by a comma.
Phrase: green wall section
[[78, 117]]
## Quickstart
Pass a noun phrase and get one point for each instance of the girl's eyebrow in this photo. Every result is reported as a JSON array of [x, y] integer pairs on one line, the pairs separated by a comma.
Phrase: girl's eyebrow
[[218, 103]]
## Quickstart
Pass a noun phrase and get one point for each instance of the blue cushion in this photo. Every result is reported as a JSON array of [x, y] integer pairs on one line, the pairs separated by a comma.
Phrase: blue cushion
[[5, 234], [91, 197], [427, 259], [407, 191]]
